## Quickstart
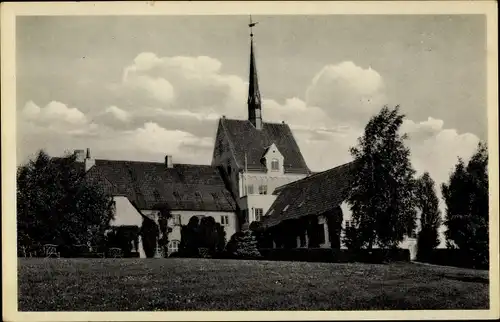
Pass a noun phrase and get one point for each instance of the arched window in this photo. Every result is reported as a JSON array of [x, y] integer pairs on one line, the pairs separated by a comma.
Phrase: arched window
[[173, 246], [275, 165]]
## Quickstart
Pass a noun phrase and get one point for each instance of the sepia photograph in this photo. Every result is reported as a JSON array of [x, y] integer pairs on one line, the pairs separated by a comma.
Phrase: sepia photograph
[[251, 160]]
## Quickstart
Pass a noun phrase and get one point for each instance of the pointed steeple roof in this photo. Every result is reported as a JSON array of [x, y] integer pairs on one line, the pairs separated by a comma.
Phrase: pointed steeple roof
[[253, 87], [254, 100]]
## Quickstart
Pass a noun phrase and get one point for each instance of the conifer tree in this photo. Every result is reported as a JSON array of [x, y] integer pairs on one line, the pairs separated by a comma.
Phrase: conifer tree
[[430, 216], [381, 200]]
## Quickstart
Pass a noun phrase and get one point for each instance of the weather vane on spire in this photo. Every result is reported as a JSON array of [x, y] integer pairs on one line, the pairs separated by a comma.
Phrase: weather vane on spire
[[251, 25]]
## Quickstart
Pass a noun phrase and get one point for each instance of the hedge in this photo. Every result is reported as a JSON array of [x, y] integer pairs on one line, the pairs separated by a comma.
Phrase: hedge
[[335, 255], [454, 257]]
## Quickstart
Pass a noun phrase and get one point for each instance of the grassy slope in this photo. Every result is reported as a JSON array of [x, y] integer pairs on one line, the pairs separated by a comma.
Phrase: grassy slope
[[197, 284]]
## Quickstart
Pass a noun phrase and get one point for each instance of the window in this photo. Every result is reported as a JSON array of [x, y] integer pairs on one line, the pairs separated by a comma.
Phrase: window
[[156, 195], [250, 189], [177, 197], [198, 197], [263, 189], [224, 220], [173, 246], [350, 224], [275, 165], [247, 219], [177, 219], [259, 212], [216, 199]]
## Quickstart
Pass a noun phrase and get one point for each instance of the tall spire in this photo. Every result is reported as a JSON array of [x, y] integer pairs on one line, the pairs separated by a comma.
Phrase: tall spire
[[254, 102]]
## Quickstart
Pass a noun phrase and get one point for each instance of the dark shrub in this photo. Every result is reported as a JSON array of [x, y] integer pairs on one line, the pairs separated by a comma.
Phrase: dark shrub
[[455, 257], [243, 245], [189, 238], [352, 239], [174, 254], [205, 238], [330, 255], [149, 232]]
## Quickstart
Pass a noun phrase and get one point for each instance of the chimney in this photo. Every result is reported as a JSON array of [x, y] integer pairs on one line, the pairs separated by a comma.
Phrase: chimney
[[80, 155], [168, 161], [89, 162]]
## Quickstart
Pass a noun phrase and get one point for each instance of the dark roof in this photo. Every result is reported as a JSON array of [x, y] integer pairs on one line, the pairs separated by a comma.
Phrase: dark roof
[[151, 185], [312, 195], [245, 138]]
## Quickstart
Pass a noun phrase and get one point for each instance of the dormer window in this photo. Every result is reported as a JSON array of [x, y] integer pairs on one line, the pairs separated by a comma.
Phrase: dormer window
[[275, 165]]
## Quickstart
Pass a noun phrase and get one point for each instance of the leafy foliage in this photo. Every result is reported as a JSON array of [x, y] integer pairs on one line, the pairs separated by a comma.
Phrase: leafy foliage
[[55, 204], [123, 237], [430, 218], [164, 215], [203, 237], [189, 238], [466, 197], [352, 238], [150, 233], [381, 199], [243, 245]]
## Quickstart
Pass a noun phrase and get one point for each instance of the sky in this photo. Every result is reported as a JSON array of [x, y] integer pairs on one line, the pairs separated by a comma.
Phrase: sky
[[141, 87]]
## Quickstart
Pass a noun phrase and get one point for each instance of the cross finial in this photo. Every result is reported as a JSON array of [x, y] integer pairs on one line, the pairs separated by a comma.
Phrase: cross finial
[[251, 25]]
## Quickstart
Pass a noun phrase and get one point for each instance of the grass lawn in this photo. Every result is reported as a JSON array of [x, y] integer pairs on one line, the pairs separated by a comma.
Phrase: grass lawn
[[200, 284]]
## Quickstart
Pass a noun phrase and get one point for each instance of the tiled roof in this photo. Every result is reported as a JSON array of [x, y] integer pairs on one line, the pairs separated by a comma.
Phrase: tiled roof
[[245, 138], [151, 185], [312, 195]]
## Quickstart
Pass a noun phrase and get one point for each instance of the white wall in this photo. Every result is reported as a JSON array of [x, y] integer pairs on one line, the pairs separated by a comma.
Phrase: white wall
[[185, 216], [273, 180], [126, 214], [407, 243]]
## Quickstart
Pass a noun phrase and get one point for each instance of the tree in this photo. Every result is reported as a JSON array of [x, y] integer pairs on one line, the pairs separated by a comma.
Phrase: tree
[[381, 198], [466, 197], [164, 215], [189, 238], [352, 239], [430, 216], [56, 204], [203, 237], [243, 245], [208, 235], [150, 232]]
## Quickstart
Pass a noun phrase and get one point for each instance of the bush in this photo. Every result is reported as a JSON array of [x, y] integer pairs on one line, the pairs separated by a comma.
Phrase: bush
[[205, 238], [455, 257], [243, 245], [149, 232], [352, 239], [329, 255]]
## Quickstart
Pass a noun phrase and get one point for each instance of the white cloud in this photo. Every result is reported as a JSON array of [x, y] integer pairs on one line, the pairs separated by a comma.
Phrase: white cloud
[[348, 93], [186, 95], [185, 83], [118, 113], [157, 87], [53, 111]]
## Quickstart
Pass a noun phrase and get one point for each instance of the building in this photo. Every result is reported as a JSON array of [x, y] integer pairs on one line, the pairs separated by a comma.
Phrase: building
[[257, 156], [143, 189], [312, 212], [257, 173]]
